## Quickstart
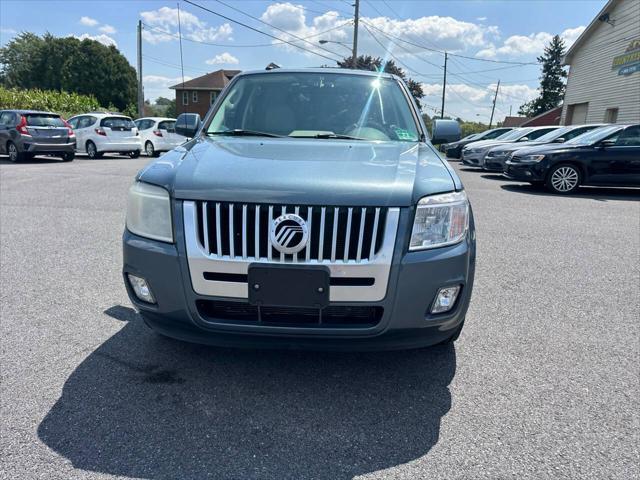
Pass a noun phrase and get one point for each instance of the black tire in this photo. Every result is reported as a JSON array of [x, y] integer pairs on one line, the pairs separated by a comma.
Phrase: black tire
[[14, 154], [134, 154], [149, 149], [92, 150], [68, 156], [454, 336], [563, 179]]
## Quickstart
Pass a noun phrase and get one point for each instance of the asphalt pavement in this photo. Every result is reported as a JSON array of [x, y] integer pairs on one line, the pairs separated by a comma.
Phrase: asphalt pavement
[[543, 383]]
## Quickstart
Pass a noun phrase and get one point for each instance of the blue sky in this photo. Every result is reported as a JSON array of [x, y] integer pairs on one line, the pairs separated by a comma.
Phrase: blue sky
[[500, 31]]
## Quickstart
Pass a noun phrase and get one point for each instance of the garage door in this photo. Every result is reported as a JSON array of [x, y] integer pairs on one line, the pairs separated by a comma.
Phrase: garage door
[[577, 114]]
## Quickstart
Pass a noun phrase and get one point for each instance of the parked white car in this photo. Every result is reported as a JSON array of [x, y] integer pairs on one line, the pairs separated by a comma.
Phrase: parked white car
[[98, 133], [158, 135]]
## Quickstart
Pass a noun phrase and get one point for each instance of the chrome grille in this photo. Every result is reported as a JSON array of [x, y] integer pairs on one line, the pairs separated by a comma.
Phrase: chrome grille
[[336, 234]]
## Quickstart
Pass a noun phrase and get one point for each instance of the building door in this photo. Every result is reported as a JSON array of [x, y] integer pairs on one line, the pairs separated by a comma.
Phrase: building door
[[577, 113]]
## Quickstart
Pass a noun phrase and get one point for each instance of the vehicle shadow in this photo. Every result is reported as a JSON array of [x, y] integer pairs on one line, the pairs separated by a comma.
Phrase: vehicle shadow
[[495, 176], [593, 193], [4, 160], [149, 407]]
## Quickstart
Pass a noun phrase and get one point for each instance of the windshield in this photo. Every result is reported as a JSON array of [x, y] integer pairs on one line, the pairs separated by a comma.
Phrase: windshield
[[514, 134], [551, 136], [316, 105], [593, 136], [44, 120]]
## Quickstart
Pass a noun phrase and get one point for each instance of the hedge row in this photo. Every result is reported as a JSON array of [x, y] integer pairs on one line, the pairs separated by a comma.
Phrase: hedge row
[[66, 104]]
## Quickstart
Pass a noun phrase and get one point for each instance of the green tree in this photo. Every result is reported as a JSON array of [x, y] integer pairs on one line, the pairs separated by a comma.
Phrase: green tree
[[552, 80], [68, 64], [367, 62]]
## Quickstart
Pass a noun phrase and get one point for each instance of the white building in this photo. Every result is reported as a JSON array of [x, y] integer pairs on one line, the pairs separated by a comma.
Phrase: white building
[[604, 73]]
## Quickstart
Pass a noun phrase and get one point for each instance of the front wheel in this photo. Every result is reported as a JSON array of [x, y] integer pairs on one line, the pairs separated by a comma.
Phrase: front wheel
[[134, 154], [150, 150], [563, 179], [92, 151], [68, 156]]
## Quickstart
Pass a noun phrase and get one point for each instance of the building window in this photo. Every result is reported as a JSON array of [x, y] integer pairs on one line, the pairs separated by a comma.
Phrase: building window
[[214, 95], [194, 97], [611, 115], [185, 97]]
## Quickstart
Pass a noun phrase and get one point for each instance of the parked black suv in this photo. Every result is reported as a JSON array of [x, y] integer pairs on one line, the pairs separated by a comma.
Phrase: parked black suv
[[608, 156], [26, 133]]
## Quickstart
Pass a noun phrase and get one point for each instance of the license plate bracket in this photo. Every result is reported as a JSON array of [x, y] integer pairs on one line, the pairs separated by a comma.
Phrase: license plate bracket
[[288, 286]]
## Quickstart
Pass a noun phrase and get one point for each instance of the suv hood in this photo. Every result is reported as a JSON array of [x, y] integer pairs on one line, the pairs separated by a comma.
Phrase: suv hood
[[485, 144], [302, 171]]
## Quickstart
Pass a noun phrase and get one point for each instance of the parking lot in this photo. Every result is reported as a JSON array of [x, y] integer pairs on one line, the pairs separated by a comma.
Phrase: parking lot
[[543, 383]]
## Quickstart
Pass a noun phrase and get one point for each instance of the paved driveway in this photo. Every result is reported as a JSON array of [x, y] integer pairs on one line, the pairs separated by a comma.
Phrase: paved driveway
[[544, 382]]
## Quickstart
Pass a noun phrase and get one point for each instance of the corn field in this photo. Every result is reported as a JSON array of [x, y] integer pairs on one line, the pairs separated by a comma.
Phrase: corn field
[[64, 103]]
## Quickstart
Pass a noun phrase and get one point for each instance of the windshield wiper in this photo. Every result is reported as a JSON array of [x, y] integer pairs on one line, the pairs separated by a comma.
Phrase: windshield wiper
[[238, 132], [328, 135]]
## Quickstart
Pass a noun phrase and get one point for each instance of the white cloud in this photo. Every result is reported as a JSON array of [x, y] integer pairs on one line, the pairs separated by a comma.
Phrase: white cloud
[[223, 58], [481, 19], [8, 31], [166, 18], [107, 29], [442, 33], [528, 45], [88, 21], [158, 86], [473, 102], [102, 38]]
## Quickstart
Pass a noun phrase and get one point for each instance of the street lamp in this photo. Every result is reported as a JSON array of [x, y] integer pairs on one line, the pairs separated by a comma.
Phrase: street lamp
[[323, 42]]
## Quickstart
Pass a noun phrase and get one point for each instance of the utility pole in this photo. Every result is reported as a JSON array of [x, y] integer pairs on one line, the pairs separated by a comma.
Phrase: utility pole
[[140, 90], [444, 85], [356, 19], [493, 109], [180, 39]]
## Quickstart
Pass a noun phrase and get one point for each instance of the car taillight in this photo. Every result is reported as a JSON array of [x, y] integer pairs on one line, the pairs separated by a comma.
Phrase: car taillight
[[100, 131], [66, 124], [22, 126], [157, 133]]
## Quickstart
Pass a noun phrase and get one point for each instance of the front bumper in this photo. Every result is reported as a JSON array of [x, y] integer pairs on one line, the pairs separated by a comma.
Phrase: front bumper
[[414, 280], [526, 172], [494, 164], [472, 159]]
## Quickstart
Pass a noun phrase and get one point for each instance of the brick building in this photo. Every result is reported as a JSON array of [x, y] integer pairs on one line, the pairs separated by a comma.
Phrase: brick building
[[197, 94]]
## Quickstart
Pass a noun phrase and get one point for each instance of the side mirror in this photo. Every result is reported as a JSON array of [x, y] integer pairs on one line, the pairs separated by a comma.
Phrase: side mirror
[[607, 143], [445, 131], [559, 140], [188, 124]]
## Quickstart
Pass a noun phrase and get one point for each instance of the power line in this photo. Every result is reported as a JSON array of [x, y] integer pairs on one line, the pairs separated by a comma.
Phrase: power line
[[259, 31], [451, 54], [374, 8], [273, 26], [230, 45]]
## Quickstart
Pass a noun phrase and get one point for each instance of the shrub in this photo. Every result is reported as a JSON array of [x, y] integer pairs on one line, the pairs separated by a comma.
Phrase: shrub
[[66, 104]]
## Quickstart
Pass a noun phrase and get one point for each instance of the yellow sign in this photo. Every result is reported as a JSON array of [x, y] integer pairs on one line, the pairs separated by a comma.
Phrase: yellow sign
[[629, 61]]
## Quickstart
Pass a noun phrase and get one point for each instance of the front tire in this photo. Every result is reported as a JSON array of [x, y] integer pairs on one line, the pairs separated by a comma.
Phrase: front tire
[[92, 150], [150, 150], [134, 154], [564, 179], [68, 156]]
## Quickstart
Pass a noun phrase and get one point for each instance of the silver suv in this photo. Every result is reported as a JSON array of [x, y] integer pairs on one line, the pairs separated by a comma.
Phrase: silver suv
[[309, 210]]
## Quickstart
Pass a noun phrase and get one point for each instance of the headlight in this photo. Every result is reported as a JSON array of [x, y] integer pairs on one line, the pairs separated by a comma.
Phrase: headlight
[[440, 220], [531, 158], [149, 212]]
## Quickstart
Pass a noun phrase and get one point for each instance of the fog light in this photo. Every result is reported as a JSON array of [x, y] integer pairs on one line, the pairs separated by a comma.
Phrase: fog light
[[141, 288], [445, 299]]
